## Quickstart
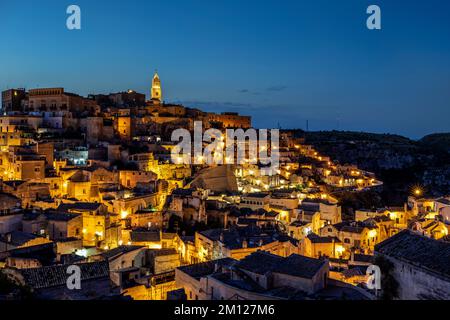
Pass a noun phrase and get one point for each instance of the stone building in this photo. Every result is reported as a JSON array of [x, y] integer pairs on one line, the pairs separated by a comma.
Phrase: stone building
[[355, 236], [228, 120], [317, 247], [18, 239], [419, 265], [259, 276], [50, 283], [12, 100], [56, 99], [132, 178], [239, 242]]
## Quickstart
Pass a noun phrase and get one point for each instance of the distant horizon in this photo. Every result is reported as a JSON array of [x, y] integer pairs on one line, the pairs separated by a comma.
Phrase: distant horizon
[[283, 63], [213, 108]]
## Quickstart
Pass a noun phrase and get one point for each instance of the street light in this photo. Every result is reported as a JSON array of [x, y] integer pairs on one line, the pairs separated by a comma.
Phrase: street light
[[418, 192]]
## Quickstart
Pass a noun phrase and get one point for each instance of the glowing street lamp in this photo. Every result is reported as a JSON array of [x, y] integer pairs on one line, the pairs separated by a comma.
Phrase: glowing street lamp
[[418, 192]]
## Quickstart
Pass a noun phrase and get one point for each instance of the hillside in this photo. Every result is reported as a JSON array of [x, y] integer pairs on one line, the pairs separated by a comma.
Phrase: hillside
[[400, 162], [437, 140]]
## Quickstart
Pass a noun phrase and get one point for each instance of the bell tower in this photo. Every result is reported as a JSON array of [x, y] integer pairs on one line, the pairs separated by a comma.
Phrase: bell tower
[[156, 92]]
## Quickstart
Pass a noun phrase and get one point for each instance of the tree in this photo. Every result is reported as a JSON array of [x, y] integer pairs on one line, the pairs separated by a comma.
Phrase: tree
[[389, 285], [8, 287]]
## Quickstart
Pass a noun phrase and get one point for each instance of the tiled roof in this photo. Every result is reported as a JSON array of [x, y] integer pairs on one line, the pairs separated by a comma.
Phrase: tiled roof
[[313, 207], [381, 218], [362, 258], [352, 227], [247, 221], [298, 223], [314, 238], [119, 251], [234, 238], [256, 195], [87, 206], [206, 268], [262, 262], [79, 177], [60, 216], [7, 196], [356, 271], [18, 238], [145, 236], [187, 239], [162, 252], [44, 253], [443, 201], [31, 215], [418, 250], [53, 276], [271, 214], [182, 192]]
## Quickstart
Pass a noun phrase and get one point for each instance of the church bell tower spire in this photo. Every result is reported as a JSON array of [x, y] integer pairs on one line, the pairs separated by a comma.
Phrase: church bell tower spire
[[156, 92]]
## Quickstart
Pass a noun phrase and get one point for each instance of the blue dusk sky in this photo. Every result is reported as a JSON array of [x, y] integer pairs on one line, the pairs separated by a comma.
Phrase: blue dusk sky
[[282, 62]]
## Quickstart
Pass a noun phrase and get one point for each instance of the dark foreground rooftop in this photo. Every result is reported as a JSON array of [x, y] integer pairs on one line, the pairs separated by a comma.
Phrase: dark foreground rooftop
[[418, 250]]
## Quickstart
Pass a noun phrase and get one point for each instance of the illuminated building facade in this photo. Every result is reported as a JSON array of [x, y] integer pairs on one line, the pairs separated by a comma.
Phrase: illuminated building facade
[[156, 92]]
